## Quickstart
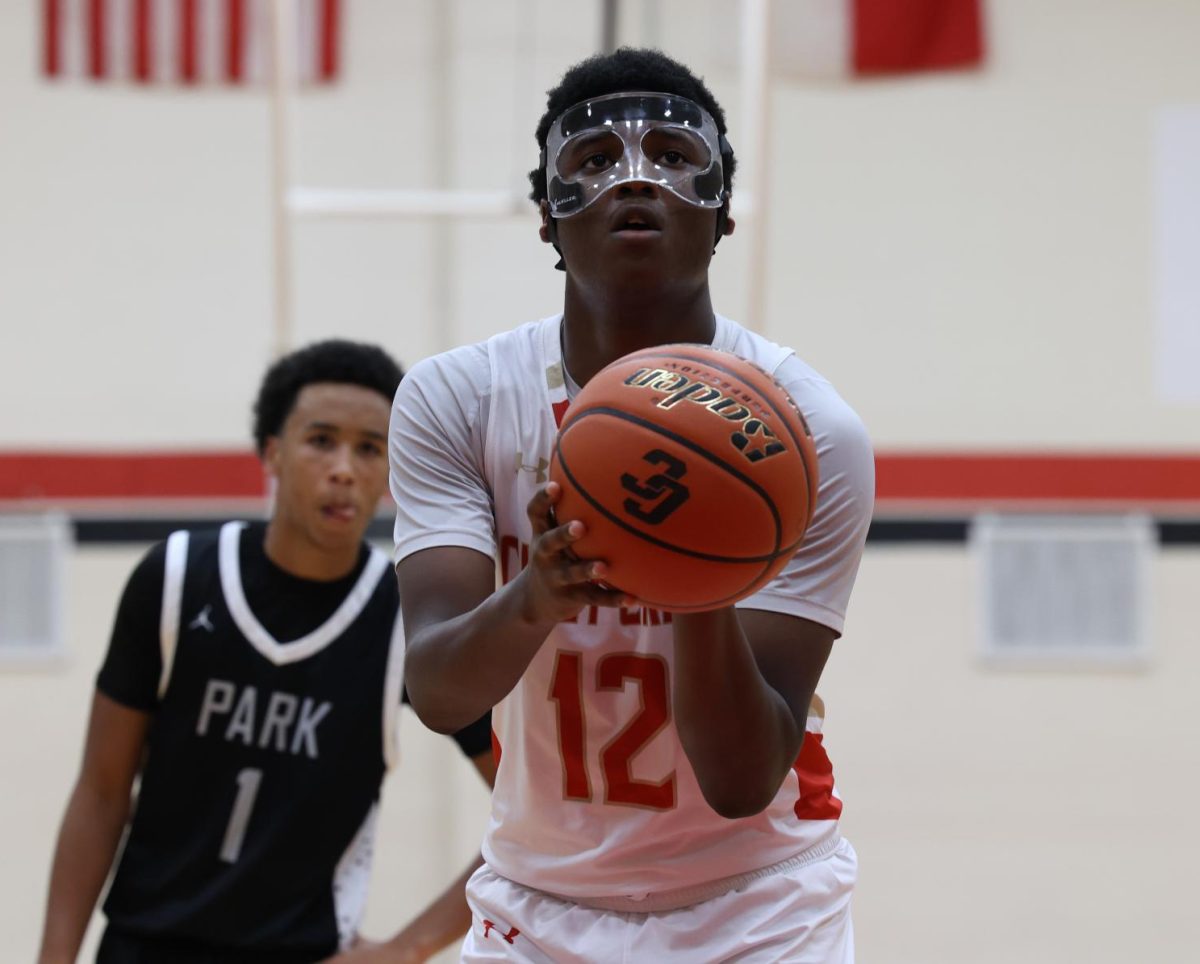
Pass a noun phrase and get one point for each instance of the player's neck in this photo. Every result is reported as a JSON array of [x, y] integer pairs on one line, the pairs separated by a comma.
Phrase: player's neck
[[599, 330], [290, 548]]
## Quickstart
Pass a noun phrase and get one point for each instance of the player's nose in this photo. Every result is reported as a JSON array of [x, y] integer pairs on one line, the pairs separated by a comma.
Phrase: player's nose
[[637, 188], [341, 464]]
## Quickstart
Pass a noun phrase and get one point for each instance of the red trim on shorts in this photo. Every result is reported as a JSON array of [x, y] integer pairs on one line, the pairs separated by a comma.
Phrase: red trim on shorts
[[815, 773]]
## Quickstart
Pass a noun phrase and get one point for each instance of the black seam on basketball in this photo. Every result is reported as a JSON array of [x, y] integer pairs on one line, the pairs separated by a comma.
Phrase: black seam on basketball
[[705, 360], [688, 444]]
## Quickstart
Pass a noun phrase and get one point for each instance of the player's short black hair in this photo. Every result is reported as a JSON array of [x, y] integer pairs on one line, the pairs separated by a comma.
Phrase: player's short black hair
[[335, 360], [627, 68]]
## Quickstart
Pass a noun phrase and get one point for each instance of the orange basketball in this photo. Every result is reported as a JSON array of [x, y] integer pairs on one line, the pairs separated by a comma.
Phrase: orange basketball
[[693, 471]]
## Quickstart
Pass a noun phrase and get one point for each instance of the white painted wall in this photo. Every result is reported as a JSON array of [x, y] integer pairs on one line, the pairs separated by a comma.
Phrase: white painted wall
[[967, 255], [999, 815]]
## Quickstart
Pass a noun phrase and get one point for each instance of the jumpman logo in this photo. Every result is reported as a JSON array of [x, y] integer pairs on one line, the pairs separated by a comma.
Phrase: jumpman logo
[[202, 621]]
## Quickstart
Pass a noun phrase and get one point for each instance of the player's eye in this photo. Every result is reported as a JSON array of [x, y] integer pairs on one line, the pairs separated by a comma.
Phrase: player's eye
[[371, 450], [673, 158], [597, 162], [321, 440]]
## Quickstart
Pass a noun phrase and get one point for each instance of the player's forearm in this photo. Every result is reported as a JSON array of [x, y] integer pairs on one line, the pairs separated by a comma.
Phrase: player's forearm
[[738, 733], [442, 923], [88, 839], [457, 670]]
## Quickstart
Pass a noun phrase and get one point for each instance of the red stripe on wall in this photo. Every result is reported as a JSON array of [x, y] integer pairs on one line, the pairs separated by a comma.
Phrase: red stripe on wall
[[95, 26], [169, 475], [977, 479], [1000, 477], [236, 37], [329, 25], [143, 63], [51, 27], [189, 42]]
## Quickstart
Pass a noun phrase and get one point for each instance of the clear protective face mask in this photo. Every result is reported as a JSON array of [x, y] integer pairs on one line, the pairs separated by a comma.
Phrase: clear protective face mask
[[660, 139]]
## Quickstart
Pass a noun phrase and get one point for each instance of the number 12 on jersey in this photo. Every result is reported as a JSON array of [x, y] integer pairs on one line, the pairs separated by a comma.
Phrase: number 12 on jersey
[[613, 672]]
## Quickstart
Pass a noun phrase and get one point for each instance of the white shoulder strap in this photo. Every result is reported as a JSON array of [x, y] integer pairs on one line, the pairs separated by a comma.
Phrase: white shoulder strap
[[393, 684], [168, 630]]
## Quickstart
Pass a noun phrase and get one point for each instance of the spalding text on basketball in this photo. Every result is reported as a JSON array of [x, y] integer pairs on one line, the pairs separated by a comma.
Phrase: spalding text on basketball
[[751, 437]]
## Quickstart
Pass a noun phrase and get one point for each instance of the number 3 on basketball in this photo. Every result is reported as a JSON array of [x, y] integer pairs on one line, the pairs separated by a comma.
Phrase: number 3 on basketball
[[649, 673]]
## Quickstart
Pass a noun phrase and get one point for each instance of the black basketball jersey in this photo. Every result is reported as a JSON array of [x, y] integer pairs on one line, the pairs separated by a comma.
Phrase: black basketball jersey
[[254, 820]]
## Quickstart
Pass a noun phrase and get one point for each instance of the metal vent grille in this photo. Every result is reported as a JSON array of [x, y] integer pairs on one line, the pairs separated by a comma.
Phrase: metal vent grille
[[1064, 587], [33, 552]]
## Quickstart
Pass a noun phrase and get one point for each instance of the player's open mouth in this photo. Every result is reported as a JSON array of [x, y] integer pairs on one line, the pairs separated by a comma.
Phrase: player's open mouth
[[340, 512], [635, 220]]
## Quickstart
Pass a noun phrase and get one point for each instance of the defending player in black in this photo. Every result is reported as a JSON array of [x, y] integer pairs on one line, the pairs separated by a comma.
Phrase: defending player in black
[[254, 682]]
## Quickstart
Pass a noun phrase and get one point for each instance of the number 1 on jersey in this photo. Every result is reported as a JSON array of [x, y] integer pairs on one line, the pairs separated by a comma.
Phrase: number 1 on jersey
[[247, 781], [612, 673]]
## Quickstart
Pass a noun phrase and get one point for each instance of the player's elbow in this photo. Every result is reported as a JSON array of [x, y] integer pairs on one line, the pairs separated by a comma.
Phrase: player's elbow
[[436, 703], [436, 713]]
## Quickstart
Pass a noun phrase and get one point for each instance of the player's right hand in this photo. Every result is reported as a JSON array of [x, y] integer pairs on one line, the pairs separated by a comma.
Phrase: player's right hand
[[557, 584]]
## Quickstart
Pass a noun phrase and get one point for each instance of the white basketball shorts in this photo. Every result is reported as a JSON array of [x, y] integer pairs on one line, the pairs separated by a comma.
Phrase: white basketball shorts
[[797, 912]]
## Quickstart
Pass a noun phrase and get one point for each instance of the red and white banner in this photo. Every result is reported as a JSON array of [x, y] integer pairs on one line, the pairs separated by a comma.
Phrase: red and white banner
[[849, 38], [184, 41]]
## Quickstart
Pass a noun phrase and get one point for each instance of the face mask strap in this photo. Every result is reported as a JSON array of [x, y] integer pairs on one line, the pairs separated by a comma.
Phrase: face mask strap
[[723, 210]]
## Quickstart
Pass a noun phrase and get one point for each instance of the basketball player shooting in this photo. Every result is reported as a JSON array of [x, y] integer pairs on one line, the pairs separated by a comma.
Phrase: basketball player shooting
[[254, 681], [662, 792]]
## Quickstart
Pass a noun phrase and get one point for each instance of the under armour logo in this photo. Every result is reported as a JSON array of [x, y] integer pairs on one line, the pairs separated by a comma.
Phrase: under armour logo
[[202, 621], [538, 470], [489, 926]]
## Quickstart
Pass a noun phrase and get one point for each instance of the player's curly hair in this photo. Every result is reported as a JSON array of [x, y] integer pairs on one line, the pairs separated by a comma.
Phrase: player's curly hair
[[335, 360], [628, 68]]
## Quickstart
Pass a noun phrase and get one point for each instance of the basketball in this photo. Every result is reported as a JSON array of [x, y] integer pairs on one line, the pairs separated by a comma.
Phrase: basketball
[[694, 472]]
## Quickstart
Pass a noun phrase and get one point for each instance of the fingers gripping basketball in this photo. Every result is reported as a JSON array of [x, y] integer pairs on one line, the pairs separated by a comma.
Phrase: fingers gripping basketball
[[693, 471]]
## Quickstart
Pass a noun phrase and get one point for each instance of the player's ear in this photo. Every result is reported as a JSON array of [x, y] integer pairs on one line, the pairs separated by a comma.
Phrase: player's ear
[[270, 456], [729, 226], [544, 230]]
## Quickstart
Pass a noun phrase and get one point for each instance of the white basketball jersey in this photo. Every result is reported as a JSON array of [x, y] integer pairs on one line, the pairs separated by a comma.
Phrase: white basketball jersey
[[595, 795]]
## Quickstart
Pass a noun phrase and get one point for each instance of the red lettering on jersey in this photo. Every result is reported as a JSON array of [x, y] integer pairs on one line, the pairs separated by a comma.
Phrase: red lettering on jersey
[[643, 616], [815, 773], [559, 409], [631, 616], [497, 749], [514, 556]]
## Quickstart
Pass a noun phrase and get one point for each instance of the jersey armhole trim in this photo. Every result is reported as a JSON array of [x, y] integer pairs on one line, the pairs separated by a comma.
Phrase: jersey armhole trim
[[393, 684], [174, 569]]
